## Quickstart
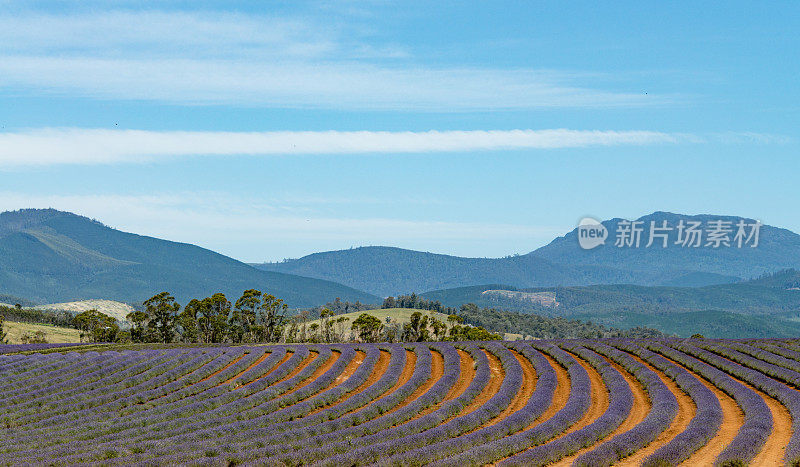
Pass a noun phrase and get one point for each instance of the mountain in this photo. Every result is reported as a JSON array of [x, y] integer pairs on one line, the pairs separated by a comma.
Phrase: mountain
[[388, 271], [777, 249], [52, 256]]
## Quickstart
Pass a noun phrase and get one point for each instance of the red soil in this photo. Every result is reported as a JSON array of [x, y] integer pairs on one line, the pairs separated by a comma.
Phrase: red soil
[[317, 373], [253, 365], [524, 393], [686, 412], [437, 371], [222, 369]]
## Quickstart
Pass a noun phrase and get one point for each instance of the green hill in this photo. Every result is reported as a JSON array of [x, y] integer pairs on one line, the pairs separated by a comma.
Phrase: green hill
[[52, 256], [388, 271]]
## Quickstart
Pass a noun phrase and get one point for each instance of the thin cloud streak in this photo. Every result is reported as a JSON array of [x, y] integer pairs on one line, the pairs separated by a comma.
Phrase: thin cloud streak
[[254, 60], [98, 146], [340, 84]]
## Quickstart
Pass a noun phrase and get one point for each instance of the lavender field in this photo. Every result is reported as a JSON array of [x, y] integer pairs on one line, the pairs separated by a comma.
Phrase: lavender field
[[578, 402]]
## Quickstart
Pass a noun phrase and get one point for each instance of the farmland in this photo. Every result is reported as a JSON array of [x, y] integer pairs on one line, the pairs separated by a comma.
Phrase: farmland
[[561, 402], [53, 334]]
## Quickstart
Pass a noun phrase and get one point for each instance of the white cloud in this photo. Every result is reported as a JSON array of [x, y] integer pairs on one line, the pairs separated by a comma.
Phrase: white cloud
[[257, 60], [305, 84], [98, 146], [170, 34]]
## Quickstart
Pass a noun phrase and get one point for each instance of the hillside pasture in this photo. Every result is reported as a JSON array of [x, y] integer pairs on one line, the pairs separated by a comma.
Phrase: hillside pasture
[[53, 334]]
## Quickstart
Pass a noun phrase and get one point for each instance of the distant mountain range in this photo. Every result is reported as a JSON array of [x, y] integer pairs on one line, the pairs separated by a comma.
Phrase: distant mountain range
[[385, 271], [49, 256], [52, 256]]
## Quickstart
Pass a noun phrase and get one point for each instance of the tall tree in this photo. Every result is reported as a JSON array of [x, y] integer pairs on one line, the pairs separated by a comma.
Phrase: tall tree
[[162, 312], [272, 317], [96, 326], [138, 320], [3, 333], [417, 329], [439, 328], [368, 327], [246, 313], [213, 318], [326, 317], [187, 322]]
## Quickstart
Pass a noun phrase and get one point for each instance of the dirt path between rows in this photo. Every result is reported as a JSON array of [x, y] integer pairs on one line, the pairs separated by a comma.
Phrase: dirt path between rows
[[496, 375], [335, 355], [405, 377], [278, 365], [773, 449], [252, 365], [732, 420], [687, 410], [465, 378], [352, 367], [600, 393], [560, 396], [523, 395], [188, 385], [306, 361], [437, 371], [377, 372], [233, 362]]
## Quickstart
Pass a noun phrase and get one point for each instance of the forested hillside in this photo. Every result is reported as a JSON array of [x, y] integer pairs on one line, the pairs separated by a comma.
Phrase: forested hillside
[[52, 256], [769, 305]]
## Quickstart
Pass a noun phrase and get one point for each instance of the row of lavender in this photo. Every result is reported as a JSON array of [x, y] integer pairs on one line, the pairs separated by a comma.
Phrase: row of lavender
[[300, 405]]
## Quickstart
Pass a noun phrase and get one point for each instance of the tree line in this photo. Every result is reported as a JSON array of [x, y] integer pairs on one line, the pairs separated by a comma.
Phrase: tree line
[[34, 315], [256, 317], [420, 328], [533, 326], [414, 301]]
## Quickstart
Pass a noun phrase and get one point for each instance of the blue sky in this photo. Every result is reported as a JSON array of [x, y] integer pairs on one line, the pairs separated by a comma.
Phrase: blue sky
[[266, 131]]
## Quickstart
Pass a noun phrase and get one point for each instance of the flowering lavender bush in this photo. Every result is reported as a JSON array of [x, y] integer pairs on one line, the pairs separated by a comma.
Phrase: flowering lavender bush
[[757, 416], [664, 407], [703, 425], [19, 348], [621, 401], [756, 372], [382, 404]]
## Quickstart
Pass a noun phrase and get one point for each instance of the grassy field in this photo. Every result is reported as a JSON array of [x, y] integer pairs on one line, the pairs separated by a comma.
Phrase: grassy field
[[55, 335], [401, 316]]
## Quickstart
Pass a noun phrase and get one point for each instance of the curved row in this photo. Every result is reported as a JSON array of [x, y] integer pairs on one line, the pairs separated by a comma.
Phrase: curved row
[[579, 402]]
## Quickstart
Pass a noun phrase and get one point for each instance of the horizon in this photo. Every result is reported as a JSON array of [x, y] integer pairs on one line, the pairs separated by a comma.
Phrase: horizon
[[558, 236], [464, 129]]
